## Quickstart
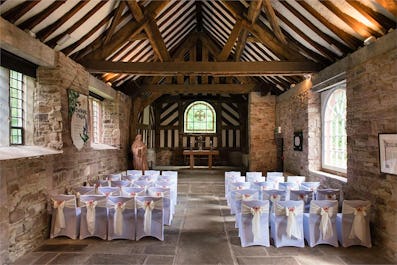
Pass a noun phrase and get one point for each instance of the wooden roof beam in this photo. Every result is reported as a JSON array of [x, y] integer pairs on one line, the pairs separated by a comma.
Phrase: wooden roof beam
[[203, 88], [253, 12], [47, 31], [271, 16], [273, 68], [227, 48], [341, 46], [53, 42], [359, 27], [115, 21], [151, 29], [35, 20], [377, 19], [18, 11], [350, 40], [390, 5], [283, 51]]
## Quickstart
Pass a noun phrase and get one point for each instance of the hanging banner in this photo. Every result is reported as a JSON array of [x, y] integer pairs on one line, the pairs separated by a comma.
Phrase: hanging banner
[[78, 116]]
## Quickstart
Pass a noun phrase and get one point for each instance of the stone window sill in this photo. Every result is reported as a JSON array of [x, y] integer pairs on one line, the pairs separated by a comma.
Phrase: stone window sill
[[103, 147], [23, 151], [323, 174]]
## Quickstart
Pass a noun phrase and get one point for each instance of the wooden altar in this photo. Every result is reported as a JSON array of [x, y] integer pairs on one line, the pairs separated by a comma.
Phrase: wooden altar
[[192, 153]]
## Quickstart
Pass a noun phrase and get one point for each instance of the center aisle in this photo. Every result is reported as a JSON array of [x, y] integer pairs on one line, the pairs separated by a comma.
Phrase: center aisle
[[203, 238]]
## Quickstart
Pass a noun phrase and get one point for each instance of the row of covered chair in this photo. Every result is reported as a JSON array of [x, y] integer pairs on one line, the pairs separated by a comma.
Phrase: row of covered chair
[[312, 208], [107, 217]]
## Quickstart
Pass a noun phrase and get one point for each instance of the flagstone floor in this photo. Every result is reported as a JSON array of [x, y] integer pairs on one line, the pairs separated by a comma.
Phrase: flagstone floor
[[202, 233]]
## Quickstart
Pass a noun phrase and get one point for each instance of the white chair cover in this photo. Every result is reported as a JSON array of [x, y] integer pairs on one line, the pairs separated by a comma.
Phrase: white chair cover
[[143, 184], [288, 186], [313, 186], [65, 216], [169, 184], [296, 179], [302, 195], [121, 217], [287, 224], [154, 173], [254, 176], [170, 173], [104, 183], [230, 175], [275, 179], [330, 194], [273, 196], [237, 196], [134, 172], [109, 191], [93, 221], [130, 178], [149, 217], [132, 192], [236, 186], [353, 223], [274, 174], [254, 223], [114, 176], [120, 183], [83, 190], [319, 224], [164, 193]]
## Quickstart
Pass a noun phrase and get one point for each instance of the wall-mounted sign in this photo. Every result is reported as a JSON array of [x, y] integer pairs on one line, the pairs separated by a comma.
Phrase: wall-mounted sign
[[78, 116], [298, 141]]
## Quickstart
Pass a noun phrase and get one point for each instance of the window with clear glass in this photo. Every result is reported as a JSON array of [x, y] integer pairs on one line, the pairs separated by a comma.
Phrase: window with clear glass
[[334, 130], [200, 117], [16, 108], [95, 120]]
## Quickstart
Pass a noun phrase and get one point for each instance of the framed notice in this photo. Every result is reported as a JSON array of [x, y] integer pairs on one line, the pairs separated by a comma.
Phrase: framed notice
[[78, 116], [388, 153]]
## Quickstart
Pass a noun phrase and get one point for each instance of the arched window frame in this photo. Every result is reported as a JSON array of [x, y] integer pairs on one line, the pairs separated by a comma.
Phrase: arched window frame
[[326, 100], [209, 108]]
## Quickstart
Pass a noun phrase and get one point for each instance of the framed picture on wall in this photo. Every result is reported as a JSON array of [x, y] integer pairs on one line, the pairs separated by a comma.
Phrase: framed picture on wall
[[298, 141], [388, 153]]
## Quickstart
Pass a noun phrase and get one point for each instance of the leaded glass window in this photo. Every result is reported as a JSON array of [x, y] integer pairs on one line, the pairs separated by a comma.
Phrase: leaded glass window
[[200, 117], [96, 121], [334, 131], [16, 108]]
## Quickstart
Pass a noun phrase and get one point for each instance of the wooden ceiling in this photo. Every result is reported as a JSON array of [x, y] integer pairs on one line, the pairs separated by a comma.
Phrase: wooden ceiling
[[265, 45]]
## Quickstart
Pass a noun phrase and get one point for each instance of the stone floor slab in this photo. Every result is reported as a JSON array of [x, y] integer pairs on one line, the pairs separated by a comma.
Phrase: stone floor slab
[[267, 261]]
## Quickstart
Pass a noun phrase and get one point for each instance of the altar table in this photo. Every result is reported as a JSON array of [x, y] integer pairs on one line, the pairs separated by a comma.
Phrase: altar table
[[209, 153]]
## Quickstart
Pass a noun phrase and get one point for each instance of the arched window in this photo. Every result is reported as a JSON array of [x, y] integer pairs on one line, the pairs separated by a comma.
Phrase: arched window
[[199, 117], [334, 130]]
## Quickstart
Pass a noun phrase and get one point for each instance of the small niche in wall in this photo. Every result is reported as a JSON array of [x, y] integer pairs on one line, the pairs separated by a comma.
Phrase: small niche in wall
[[298, 141]]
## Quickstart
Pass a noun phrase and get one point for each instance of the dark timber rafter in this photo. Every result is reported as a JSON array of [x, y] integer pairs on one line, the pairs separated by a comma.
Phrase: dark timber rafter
[[115, 21], [47, 31], [273, 68], [253, 12], [17, 12], [35, 20], [151, 29], [271, 16]]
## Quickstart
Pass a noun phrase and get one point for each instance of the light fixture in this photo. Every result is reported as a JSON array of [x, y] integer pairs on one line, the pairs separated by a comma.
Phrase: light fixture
[[307, 76], [371, 39], [109, 83]]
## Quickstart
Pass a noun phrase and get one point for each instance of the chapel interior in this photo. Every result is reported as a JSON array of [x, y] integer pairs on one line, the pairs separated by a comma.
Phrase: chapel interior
[[307, 88]]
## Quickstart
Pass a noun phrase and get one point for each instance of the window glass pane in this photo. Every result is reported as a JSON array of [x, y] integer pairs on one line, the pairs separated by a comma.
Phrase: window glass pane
[[16, 108], [200, 118], [95, 121], [334, 131]]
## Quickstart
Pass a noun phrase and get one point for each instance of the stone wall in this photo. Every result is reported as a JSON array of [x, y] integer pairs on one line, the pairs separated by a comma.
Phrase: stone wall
[[371, 87], [262, 121], [26, 183]]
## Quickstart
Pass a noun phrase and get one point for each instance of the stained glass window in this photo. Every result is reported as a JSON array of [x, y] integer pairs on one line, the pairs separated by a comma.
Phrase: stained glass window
[[334, 131], [200, 117]]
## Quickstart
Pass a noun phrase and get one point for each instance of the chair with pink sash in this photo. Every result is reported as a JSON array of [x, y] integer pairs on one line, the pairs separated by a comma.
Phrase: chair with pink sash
[[353, 223], [130, 178], [93, 221], [319, 224], [83, 190], [114, 176], [232, 175], [134, 172], [120, 183], [276, 178], [254, 176], [65, 216], [143, 184], [296, 179], [109, 191], [121, 217], [236, 186], [254, 223], [164, 193], [288, 186], [149, 220], [165, 183], [273, 196], [287, 224], [302, 195], [310, 185], [132, 192], [330, 194]]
